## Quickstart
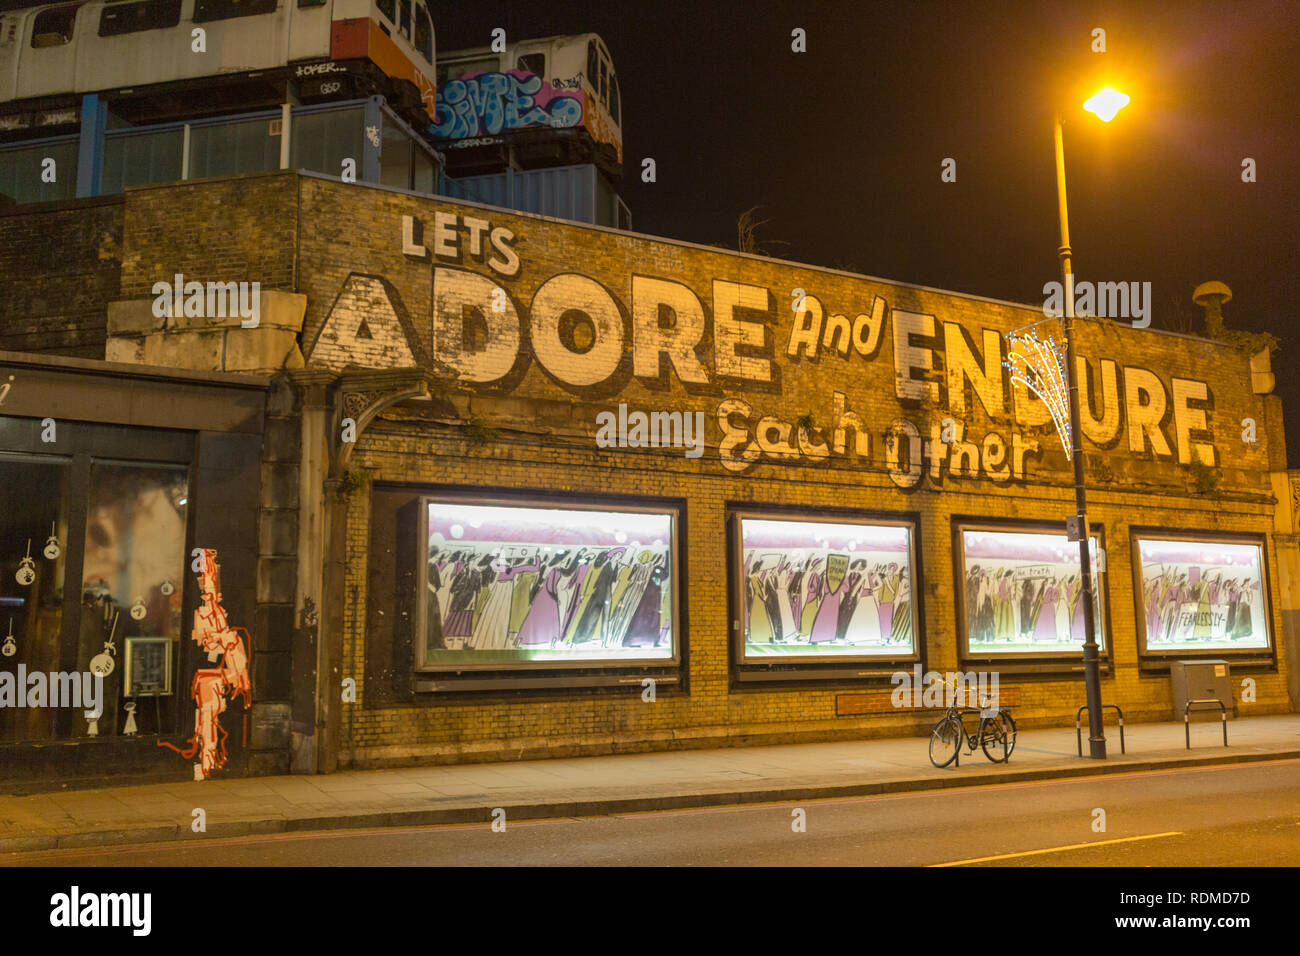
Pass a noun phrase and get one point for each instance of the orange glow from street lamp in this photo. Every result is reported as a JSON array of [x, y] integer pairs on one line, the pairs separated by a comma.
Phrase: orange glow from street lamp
[[1106, 104]]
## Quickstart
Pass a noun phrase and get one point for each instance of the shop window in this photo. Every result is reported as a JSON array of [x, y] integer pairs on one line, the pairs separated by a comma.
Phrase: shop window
[[208, 10], [404, 18], [614, 105], [121, 527], [119, 18], [593, 64], [532, 63], [1200, 594], [1019, 591], [133, 575], [509, 586], [388, 8], [33, 563], [53, 27], [604, 83], [814, 590]]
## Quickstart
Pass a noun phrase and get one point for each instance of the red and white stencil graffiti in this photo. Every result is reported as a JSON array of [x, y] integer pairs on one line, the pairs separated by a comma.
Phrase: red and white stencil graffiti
[[213, 686]]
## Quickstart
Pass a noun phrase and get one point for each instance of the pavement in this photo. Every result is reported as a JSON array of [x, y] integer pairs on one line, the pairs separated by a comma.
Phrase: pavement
[[592, 786]]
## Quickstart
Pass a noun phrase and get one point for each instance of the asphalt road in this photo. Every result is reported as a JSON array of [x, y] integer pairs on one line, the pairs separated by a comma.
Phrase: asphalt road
[[1242, 815]]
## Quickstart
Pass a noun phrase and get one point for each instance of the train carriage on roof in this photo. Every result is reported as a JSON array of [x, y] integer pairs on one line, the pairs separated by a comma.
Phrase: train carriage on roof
[[145, 56], [540, 102]]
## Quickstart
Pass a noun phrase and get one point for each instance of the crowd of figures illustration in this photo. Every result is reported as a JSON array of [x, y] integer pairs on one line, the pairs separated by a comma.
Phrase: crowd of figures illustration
[[1029, 605], [1193, 604], [826, 599], [491, 597]]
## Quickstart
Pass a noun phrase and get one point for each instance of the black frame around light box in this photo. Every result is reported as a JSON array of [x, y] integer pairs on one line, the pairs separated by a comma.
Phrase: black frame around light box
[[1260, 540], [962, 523], [543, 502], [798, 668]]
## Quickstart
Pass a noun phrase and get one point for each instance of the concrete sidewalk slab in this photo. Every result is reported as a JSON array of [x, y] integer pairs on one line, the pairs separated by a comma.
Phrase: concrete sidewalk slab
[[621, 783]]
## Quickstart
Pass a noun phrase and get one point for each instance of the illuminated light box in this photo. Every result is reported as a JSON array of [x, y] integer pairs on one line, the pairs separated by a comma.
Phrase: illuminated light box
[[821, 589], [512, 585], [1020, 592], [1202, 595]]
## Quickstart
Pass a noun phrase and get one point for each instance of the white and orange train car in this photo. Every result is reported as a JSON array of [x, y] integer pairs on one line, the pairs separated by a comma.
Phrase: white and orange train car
[[174, 54]]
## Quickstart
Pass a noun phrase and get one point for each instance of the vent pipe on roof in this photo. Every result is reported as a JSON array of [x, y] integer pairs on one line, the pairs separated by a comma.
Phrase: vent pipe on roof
[[1210, 296]]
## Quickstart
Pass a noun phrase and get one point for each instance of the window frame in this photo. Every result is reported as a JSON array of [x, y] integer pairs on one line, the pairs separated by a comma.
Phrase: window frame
[[425, 22], [170, 10], [521, 67], [214, 11], [845, 667], [404, 19], [71, 8], [545, 501], [1162, 658], [1047, 659], [83, 446]]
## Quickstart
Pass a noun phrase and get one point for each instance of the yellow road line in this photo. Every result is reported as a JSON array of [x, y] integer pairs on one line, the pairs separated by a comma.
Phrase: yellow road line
[[1060, 849]]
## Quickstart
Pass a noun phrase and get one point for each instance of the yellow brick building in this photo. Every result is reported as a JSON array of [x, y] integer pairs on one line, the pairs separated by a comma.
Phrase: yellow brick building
[[447, 357]]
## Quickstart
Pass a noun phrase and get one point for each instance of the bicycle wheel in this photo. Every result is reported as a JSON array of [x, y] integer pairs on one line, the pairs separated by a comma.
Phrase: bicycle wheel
[[998, 737], [945, 741], [1011, 732]]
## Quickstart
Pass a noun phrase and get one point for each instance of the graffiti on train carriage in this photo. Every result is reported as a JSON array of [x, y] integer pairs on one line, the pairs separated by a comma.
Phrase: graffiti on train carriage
[[486, 104]]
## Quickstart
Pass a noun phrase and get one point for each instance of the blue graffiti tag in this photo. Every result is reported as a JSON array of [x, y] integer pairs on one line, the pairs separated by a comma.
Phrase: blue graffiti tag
[[491, 102]]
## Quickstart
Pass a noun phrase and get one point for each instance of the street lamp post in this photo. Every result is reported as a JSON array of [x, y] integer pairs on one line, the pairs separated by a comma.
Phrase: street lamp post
[[1105, 105]]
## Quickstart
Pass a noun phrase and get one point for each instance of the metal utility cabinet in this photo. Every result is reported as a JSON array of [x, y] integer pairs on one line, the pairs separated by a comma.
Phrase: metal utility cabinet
[[1202, 680]]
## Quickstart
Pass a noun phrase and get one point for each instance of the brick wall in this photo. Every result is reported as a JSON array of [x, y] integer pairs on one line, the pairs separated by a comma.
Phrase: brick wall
[[545, 425], [59, 268], [545, 442]]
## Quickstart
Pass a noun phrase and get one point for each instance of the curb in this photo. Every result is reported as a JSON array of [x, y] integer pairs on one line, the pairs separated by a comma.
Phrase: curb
[[607, 806]]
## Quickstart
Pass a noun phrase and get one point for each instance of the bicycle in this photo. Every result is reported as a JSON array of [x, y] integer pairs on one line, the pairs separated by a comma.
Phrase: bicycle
[[995, 735]]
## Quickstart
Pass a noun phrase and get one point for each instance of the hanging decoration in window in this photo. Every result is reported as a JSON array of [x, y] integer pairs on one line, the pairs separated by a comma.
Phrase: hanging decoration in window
[[103, 663], [52, 549], [10, 646], [26, 573]]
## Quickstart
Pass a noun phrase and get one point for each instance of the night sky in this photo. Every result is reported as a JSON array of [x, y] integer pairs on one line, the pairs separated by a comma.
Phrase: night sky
[[842, 145]]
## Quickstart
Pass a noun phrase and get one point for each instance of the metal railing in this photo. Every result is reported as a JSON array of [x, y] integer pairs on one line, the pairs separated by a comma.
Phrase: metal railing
[[1078, 732], [1187, 722]]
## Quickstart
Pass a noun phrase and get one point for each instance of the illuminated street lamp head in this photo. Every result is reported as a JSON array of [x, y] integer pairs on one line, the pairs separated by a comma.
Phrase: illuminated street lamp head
[[1106, 104]]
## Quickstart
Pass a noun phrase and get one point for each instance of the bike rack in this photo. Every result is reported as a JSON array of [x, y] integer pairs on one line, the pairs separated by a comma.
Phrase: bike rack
[[1223, 718], [1078, 732]]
